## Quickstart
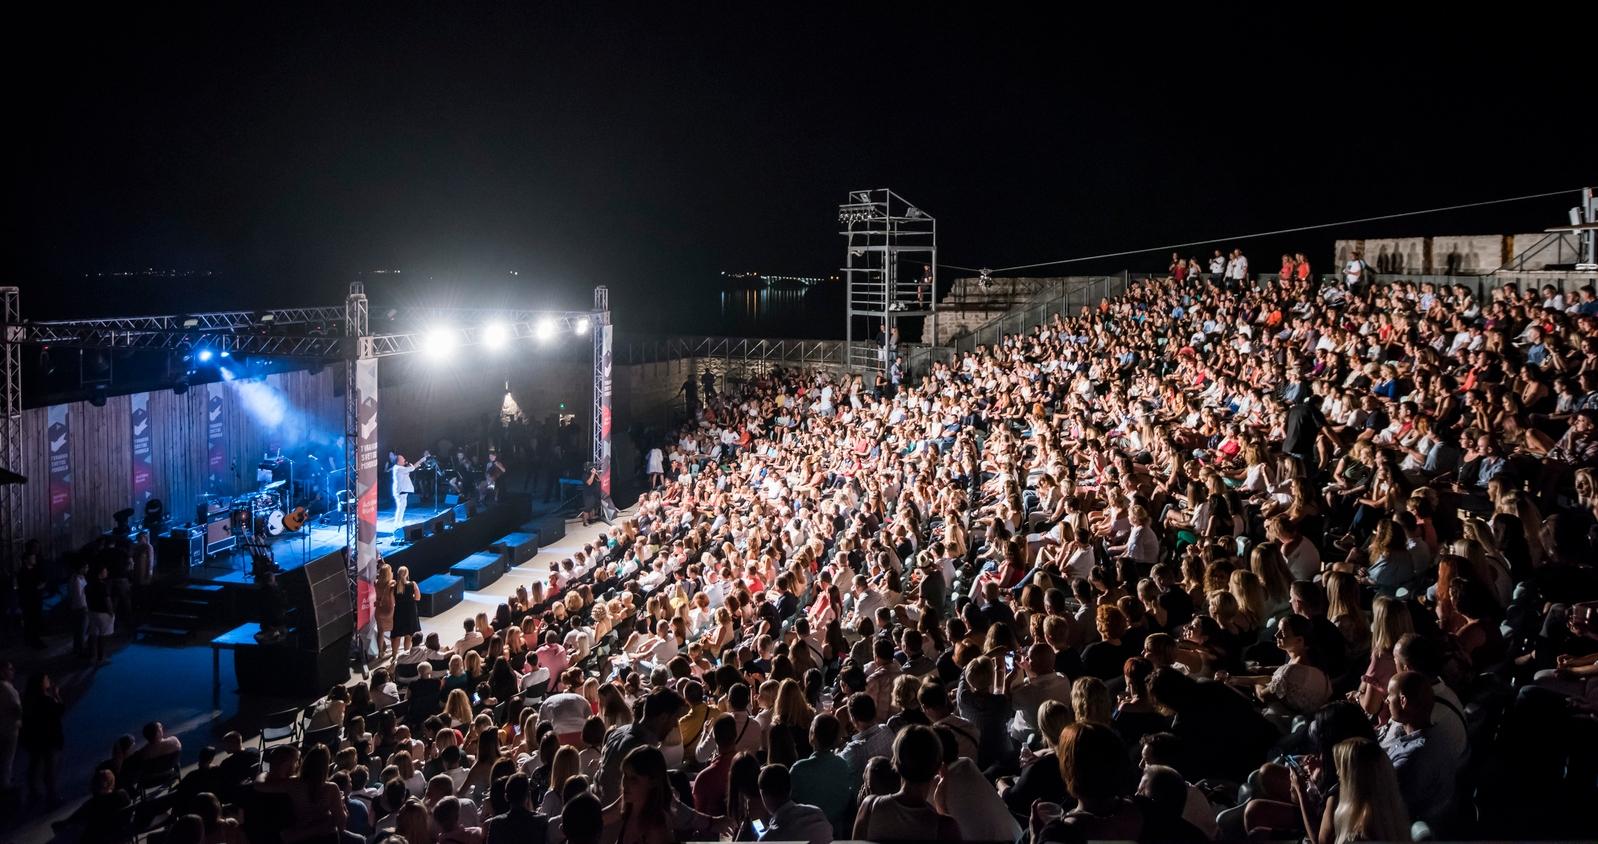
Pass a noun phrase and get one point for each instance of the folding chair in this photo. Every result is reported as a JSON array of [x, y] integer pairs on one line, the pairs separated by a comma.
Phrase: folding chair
[[280, 726]]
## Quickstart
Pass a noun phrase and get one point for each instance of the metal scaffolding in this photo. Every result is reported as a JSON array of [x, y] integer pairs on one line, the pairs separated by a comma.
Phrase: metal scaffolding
[[885, 234]]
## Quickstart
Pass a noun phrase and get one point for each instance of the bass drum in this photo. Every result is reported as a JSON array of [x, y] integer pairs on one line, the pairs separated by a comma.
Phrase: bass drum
[[274, 523]]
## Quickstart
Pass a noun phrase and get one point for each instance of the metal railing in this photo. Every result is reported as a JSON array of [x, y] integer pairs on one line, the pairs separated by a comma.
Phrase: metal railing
[[1065, 297]]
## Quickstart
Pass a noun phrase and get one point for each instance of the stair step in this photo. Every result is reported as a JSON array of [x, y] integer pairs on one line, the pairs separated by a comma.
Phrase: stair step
[[198, 607], [176, 620], [207, 588], [158, 632]]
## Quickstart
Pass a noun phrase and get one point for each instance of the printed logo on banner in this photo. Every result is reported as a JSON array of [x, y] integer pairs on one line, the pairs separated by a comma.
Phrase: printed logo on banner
[[143, 457], [60, 461], [216, 441]]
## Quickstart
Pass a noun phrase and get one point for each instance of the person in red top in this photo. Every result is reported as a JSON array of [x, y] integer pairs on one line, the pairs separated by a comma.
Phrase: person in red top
[[1287, 269], [1300, 267]]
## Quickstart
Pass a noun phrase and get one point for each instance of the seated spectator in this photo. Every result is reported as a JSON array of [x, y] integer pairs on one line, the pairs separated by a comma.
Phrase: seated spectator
[[908, 814]]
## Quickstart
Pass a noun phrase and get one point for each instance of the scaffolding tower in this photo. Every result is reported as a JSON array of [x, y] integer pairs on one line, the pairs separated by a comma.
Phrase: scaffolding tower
[[890, 273]]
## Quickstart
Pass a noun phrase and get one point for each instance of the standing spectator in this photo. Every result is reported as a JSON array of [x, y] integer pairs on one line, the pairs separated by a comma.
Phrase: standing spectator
[[823, 778], [1217, 269], [30, 597], [80, 609], [10, 723], [1354, 271], [102, 621], [42, 736]]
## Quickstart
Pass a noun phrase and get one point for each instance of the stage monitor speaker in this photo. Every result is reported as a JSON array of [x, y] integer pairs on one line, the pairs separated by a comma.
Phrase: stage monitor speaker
[[415, 532], [442, 522], [320, 591], [462, 512], [452, 499]]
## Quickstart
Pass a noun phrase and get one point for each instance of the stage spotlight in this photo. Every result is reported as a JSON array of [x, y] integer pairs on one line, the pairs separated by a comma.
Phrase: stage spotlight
[[226, 354], [440, 342], [495, 335], [203, 356], [582, 326], [546, 330]]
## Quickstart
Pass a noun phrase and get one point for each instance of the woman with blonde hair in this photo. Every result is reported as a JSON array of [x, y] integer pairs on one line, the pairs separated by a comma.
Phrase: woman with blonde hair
[[1090, 700], [458, 708], [1245, 586], [1367, 805], [1389, 622], [1268, 564], [414, 823], [565, 766], [1343, 610], [383, 610], [788, 736]]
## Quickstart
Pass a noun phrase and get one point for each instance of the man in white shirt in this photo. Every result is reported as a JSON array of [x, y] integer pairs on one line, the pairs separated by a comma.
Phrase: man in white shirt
[[866, 600], [1303, 558], [1354, 270], [1217, 268], [471, 639], [1040, 683], [402, 488]]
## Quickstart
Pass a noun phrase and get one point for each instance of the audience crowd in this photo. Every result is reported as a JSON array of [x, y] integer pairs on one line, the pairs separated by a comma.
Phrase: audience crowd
[[1212, 560]]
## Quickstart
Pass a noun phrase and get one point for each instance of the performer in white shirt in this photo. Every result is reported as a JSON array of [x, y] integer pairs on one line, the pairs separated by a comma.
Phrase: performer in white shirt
[[402, 488]]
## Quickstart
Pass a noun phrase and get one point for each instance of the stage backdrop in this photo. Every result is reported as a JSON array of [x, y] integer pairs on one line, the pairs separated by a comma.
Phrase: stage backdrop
[[95, 449]]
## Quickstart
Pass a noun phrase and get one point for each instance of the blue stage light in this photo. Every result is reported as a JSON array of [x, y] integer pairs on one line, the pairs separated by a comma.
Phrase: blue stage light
[[204, 355]]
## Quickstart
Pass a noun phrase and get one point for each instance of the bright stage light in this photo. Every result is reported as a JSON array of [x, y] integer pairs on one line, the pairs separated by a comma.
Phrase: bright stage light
[[204, 355], [582, 326], [546, 330], [439, 342], [495, 335], [226, 354]]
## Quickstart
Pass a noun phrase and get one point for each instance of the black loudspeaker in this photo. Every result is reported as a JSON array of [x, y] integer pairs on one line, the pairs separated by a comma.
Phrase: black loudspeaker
[[320, 592], [452, 499], [180, 550]]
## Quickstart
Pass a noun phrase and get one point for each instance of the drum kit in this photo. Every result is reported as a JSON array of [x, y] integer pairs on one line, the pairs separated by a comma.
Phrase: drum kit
[[260, 512]]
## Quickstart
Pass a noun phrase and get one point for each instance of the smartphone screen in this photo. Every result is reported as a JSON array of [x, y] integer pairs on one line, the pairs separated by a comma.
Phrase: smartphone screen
[[760, 828]]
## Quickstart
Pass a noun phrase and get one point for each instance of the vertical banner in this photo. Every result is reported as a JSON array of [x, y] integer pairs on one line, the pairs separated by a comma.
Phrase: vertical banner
[[143, 459], [365, 488], [216, 467], [60, 445], [602, 385]]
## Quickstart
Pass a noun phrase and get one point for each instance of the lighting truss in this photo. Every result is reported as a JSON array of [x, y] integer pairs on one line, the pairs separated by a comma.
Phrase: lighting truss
[[237, 335]]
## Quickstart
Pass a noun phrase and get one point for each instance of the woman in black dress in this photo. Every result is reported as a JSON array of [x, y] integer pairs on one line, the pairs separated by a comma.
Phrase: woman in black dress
[[42, 735], [406, 598], [592, 494]]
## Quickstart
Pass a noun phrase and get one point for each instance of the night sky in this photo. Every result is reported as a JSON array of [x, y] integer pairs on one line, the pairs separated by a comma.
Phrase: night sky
[[650, 147]]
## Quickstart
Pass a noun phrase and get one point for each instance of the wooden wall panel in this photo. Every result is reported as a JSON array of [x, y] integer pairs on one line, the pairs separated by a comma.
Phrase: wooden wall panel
[[102, 450]]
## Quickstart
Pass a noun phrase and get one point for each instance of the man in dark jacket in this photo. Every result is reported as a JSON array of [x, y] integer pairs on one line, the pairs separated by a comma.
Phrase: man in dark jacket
[[521, 823]]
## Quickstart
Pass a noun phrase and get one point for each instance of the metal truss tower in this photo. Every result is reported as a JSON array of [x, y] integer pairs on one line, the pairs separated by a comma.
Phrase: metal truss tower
[[890, 270]]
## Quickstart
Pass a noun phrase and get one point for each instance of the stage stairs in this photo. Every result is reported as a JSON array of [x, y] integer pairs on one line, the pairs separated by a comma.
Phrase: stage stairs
[[184, 610]]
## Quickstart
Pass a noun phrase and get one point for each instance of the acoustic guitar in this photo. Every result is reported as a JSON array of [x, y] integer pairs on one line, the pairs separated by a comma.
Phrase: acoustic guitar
[[295, 519]]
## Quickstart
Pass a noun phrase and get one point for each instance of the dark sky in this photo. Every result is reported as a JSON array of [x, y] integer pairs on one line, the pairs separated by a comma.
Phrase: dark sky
[[650, 146]]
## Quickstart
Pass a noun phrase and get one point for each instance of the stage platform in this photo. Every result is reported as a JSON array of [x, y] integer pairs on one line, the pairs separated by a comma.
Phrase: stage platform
[[430, 555]]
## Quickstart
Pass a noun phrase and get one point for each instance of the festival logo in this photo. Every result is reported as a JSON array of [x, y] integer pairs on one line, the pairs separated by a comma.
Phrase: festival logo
[[143, 457], [60, 443]]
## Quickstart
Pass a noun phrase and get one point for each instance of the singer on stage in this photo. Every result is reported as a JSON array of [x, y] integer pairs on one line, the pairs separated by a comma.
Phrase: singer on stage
[[402, 488]]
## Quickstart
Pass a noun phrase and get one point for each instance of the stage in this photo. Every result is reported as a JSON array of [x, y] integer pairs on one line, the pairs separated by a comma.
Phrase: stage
[[431, 554]]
